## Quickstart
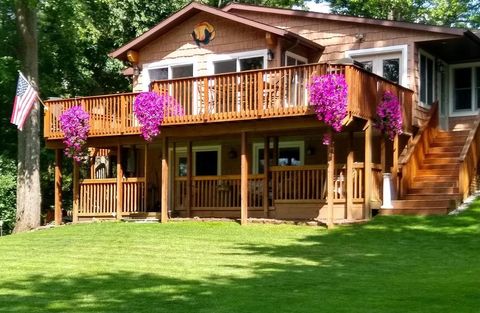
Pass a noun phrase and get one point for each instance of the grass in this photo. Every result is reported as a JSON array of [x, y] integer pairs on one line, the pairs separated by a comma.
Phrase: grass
[[392, 264]]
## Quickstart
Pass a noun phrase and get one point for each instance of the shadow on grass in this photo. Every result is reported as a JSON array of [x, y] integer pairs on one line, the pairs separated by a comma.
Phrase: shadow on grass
[[392, 264]]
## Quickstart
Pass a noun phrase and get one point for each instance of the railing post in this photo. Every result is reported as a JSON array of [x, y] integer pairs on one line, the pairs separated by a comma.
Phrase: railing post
[[165, 190], [145, 174], [47, 119], [76, 194], [350, 174], [205, 99], [395, 167], [368, 169], [119, 182], [58, 186], [330, 181], [123, 114], [244, 181], [260, 87], [189, 178], [266, 173]]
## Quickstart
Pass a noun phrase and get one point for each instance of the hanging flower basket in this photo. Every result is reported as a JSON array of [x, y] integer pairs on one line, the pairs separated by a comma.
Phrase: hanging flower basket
[[389, 116], [150, 110], [328, 97], [75, 125]]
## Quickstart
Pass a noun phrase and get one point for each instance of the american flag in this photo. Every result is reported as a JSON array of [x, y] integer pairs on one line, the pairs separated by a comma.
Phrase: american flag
[[24, 100]]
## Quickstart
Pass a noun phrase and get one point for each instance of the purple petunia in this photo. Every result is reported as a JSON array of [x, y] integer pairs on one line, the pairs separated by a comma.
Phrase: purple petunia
[[389, 116], [74, 123]]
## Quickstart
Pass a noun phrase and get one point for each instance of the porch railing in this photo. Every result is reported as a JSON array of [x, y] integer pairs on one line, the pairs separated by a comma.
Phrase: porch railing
[[469, 162], [269, 93], [98, 197]]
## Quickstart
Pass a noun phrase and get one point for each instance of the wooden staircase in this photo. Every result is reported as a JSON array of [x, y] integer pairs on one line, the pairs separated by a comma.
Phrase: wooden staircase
[[434, 188]]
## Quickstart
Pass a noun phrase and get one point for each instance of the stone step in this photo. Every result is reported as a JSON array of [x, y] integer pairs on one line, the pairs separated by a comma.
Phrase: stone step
[[433, 190]]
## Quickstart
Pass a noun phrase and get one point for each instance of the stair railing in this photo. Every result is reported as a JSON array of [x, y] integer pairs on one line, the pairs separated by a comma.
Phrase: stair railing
[[469, 160], [412, 158]]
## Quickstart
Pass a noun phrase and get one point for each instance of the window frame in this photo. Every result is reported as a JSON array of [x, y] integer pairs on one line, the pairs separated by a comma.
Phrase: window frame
[[474, 109], [169, 64], [182, 152], [434, 73], [294, 56], [257, 146], [236, 56]]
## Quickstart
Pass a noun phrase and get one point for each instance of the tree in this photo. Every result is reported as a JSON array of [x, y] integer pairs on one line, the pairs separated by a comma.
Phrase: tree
[[461, 13], [28, 171]]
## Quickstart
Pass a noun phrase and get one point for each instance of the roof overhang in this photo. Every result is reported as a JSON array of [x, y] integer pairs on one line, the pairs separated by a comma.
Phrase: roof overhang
[[455, 50], [193, 9], [345, 18]]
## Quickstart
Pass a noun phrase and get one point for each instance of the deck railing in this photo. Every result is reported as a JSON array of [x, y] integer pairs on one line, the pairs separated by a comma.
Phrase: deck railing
[[269, 93], [98, 197], [469, 162]]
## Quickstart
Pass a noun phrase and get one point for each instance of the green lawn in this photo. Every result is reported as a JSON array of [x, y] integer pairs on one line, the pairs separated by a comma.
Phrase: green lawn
[[392, 264]]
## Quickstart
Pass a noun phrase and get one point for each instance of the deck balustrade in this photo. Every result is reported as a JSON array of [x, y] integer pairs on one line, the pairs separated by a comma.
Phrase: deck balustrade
[[258, 94]]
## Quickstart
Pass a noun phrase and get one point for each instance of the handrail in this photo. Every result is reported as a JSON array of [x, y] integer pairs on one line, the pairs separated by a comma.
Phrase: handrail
[[417, 148], [469, 160]]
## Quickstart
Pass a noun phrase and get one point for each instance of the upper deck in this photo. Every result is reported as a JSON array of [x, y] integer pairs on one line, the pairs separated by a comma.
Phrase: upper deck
[[249, 95]]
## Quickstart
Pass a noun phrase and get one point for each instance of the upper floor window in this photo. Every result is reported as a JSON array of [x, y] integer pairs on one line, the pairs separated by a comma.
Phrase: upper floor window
[[238, 64], [466, 89], [292, 59], [427, 79]]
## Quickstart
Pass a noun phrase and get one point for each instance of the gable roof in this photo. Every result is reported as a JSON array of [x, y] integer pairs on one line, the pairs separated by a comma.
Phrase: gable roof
[[194, 8], [346, 18]]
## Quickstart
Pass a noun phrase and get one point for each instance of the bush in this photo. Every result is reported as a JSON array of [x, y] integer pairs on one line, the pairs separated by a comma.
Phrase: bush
[[8, 188]]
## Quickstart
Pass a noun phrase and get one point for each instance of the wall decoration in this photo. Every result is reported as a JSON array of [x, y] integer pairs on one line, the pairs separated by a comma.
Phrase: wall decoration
[[203, 33]]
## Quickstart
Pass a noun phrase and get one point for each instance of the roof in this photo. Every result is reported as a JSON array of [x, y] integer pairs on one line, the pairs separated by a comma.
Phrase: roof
[[192, 9], [346, 18]]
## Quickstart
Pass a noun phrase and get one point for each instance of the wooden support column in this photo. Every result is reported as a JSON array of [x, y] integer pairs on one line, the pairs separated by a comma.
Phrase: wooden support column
[[145, 175], [395, 167], [189, 178], [58, 186], [174, 171], [119, 183], [165, 190], [244, 181], [383, 154], [275, 151], [350, 175], [266, 172], [368, 169], [330, 180], [76, 191]]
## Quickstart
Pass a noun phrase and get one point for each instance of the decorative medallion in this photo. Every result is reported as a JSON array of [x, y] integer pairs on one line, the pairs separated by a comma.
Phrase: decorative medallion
[[203, 33]]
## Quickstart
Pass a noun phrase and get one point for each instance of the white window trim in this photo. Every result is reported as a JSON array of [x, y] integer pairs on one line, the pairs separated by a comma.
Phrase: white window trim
[[402, 49], [168, 63], [182, 151], [295, 56], [435, 96], [281, 144], [235, 56], [473, 110]]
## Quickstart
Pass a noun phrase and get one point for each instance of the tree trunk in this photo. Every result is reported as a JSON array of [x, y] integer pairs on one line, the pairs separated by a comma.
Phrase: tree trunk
[[28, 174]]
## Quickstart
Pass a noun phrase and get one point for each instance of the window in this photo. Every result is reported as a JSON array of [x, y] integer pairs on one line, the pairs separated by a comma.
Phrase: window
[[206, 161], [169, 72], [388, 62], [290, 153], [238, 64], [292, 59], [158, 73], [465, 88], [427, 79]]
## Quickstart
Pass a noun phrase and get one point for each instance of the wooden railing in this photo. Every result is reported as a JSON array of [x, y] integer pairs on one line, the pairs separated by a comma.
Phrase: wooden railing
[[218, 191], [269, 93], [469, 161], [98, 197], [412, 160]]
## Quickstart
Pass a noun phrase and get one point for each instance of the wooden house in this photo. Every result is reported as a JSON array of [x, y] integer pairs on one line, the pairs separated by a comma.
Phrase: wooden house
[[249, 145]]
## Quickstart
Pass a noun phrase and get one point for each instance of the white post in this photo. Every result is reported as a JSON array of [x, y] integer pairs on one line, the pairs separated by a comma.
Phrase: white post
[[387, 191]]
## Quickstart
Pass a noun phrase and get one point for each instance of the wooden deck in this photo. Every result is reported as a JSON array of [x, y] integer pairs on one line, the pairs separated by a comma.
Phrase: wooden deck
[[250, 95]]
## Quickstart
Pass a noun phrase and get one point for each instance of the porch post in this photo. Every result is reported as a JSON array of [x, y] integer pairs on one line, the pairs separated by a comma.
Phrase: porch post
[[145, 176], [164, 217], [330, 180], [174, 183], [383, 155], [189, 178], [350, 175], [244, 181], [395, 167], [119, 182], [368, 169], [58, 186], [76, 195], [266, 170]]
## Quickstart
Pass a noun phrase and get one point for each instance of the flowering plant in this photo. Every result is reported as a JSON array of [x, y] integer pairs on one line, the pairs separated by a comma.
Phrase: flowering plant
[[75, 125], [150, 110], [328, 96], [389, 115]]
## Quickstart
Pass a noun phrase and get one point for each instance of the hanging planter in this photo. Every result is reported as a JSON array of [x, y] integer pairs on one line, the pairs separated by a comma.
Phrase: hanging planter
[[150, 110], [328, 97], [389, 116], [75, 125]]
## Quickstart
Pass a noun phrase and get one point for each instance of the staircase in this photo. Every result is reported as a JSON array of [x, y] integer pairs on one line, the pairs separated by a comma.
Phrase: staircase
[[435, 186]]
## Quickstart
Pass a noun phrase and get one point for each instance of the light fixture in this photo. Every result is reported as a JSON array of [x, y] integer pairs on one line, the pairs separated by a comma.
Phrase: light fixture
[[310, 150], [132, 56], [232, 154], [270, 55], [360, 37]]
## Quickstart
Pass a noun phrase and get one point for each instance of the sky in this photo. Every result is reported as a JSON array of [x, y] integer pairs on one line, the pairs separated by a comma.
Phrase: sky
[[318, 7]]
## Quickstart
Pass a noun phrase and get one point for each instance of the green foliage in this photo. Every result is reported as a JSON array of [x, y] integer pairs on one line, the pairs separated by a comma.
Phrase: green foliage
[[8, 186], [461, 13]]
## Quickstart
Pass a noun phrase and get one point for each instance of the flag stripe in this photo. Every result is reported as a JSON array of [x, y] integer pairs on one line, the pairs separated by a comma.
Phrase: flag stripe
[[24, 100]]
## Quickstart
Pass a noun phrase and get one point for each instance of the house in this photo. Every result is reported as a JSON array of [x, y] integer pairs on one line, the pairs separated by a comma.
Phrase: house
[[248, 143]]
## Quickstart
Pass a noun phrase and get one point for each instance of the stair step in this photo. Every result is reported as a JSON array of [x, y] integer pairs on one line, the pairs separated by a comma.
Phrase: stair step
[[435, 150], [434, 190], [436, 178], [448, 154], [450, 167], [433, 196], [436, 171], [463, 133], [434, 183], [430, 160], [415, 211], [401, 204]]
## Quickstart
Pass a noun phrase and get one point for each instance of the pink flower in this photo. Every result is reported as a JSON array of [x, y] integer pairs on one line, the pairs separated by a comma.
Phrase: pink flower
[[74, 123], [389, 116]]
